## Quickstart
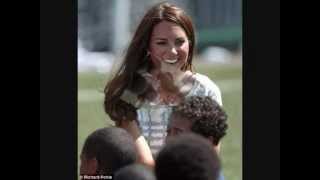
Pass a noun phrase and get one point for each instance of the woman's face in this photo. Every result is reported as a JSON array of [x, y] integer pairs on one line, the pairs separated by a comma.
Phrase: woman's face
[[169, 45]]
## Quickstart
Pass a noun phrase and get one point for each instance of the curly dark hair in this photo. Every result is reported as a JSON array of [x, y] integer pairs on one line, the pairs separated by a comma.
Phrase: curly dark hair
[[207, 117]]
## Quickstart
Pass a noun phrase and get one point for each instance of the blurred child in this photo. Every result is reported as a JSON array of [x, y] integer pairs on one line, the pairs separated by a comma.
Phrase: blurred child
[[107, 150], [134, 172], [187, 157]]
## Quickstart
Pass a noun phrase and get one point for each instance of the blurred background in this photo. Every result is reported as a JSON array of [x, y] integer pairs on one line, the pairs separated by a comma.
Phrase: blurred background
[[105, 28]]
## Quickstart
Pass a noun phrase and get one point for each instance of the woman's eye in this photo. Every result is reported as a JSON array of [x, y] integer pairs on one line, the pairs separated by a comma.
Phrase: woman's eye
[[179, 42], [161, 43]]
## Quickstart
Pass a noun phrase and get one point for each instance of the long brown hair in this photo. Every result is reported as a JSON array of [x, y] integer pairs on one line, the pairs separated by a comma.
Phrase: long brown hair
[[136, 56]]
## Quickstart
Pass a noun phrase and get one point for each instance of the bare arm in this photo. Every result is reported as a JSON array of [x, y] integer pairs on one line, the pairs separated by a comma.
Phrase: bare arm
[[144, 153]]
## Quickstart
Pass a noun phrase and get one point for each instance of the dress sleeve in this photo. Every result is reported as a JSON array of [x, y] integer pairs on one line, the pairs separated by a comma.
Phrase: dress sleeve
[[207, 87]]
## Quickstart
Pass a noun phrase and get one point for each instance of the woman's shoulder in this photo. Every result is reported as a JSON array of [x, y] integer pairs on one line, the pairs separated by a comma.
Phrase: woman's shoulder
[[206, 82], [204, 86], [203, 79]]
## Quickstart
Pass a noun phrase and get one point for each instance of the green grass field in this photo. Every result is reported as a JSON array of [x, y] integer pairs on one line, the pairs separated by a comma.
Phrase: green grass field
[[228, 77]]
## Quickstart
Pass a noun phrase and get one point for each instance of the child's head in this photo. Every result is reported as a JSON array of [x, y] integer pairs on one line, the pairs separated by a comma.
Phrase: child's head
[[134, 172], [107, 150], [187, 157], [201, 115]]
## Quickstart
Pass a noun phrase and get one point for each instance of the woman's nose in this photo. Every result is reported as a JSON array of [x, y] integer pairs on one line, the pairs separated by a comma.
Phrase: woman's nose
[[173, 50]]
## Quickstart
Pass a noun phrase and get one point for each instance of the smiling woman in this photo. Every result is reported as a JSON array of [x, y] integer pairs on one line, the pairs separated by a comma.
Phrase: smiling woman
[[169, 43], [155, 76]]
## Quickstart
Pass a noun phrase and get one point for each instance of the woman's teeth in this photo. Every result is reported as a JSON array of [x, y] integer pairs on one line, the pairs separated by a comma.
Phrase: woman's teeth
[[171, 61]]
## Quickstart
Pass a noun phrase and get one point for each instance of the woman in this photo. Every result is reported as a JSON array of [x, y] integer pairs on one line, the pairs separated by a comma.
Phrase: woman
[[156, 75]]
